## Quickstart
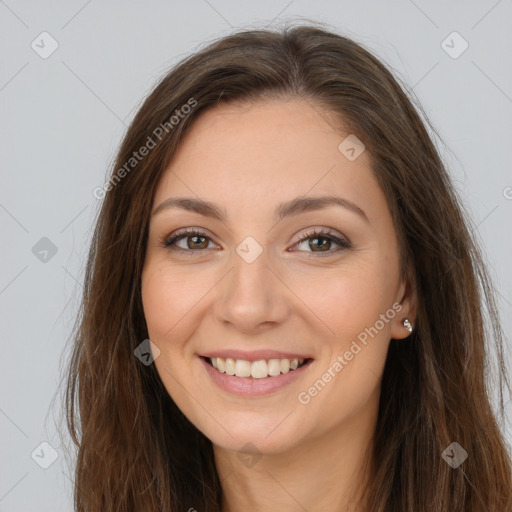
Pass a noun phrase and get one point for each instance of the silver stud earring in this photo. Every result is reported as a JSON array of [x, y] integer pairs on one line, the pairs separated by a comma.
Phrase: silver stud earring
[[407, 324]]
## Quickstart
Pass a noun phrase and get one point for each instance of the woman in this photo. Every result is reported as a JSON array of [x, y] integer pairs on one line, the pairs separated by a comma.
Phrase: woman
[[281, 307]]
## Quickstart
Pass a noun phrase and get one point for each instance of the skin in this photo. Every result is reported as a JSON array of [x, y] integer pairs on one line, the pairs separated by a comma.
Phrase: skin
[[294, 297]]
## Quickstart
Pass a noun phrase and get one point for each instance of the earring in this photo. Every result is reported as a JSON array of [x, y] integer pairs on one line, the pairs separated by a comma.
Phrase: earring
[[407, 324]]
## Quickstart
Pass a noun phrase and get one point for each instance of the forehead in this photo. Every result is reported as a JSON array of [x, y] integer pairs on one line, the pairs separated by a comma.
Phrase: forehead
[[266, 152]]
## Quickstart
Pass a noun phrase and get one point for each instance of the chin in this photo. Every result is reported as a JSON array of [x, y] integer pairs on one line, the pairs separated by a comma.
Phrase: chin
[[259, 436]]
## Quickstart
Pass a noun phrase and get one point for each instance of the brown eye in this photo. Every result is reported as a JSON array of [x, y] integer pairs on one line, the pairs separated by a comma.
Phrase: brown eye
[[321, 242], [194, 240], [325, 243]]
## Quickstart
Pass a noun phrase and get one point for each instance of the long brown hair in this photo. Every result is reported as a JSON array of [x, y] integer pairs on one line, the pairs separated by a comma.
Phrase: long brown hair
[[136, 451]]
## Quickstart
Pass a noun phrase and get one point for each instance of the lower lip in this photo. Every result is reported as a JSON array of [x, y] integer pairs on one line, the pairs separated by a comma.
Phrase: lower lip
[[248, 386]]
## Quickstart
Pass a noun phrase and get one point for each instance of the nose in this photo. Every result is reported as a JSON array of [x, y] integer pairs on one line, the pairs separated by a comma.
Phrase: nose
[[253, 296]]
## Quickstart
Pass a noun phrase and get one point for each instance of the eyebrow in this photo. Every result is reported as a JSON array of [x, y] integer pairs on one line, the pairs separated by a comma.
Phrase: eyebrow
[[286, 209]]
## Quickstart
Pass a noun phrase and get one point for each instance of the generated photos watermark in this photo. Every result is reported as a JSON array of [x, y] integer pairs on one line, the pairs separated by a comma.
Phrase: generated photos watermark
[[144, 150], [304, 397]]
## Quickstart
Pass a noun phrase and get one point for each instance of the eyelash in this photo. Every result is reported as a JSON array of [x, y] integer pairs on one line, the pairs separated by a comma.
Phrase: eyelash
[[168, 242]]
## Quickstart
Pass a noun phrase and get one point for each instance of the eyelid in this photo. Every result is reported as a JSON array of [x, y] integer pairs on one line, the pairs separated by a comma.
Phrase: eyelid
[[321, 232], [166, 240]]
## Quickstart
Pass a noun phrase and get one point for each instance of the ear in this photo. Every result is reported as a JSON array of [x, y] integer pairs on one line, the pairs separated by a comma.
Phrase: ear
[[408, 299]]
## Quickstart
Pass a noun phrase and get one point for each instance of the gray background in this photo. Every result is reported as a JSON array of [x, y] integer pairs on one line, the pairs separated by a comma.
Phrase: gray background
[[63, 117]]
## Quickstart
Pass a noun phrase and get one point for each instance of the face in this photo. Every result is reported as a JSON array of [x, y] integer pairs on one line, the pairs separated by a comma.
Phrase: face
[[266, 275]]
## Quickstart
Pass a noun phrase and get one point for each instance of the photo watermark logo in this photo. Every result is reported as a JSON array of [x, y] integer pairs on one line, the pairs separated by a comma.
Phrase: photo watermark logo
[[342, 360], [137, 156]]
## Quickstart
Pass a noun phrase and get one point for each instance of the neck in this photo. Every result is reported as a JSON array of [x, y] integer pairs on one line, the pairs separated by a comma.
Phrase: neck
[[325, 473]]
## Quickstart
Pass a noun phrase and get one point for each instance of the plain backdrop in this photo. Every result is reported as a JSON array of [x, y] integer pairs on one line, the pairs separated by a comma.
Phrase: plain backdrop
[[71, 78]]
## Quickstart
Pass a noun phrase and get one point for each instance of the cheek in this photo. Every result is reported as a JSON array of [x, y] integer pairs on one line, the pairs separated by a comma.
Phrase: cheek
[[171, 303], [348, 299], [168, 297], [355, 302], [347, 377]]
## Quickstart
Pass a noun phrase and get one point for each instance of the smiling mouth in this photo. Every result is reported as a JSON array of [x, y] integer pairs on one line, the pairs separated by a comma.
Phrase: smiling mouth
[[256, 369]]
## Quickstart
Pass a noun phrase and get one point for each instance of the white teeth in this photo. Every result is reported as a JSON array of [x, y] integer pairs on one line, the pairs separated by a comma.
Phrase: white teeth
[[230, 366], [274, 367], [257, 369], [242, 368]]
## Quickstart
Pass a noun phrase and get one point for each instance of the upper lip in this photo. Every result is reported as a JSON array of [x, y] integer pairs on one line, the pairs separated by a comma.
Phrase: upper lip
[[255, 355]]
